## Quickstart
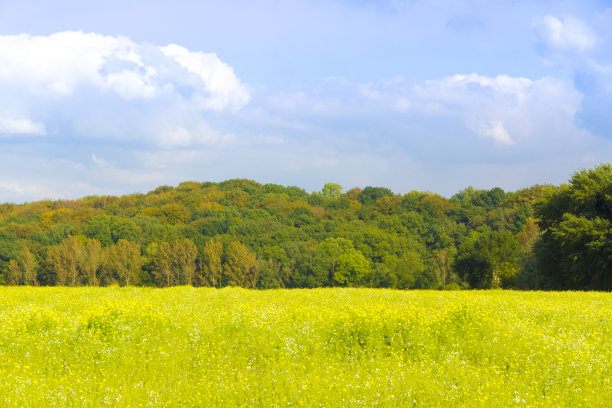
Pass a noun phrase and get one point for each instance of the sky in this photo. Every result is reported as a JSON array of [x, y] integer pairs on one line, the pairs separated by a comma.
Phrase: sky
[[119, 97]]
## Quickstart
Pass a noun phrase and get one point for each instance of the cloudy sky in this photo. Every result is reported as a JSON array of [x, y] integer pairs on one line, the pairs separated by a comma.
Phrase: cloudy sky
[[114, 97]]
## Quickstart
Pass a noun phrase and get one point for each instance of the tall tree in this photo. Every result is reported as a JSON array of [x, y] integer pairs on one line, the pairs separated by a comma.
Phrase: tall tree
[[93, 256], [125, 262], [163, 263], [185, 253], [65, 260], [241, 266], [575, 249], [332, 190], [213, 269], [347, 265], [442, 260], [489, 259], [22, 270]]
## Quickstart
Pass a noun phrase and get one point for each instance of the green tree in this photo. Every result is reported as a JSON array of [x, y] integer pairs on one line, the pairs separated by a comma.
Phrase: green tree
[[241, 266], [408, 269], [575, 249], [124, 262], [14, 275], [66, 260], [332, 190], [370, 194], [442, 260], [274, 270], [93, 256], [213, 268], [489, 259], [347, 266], [99, 228], [22, 270], [185, 253], [162, 264]]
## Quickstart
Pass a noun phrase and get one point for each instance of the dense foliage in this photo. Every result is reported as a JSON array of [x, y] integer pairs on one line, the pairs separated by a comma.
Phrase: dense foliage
[[186, 347], [242, 233], [575, 250]]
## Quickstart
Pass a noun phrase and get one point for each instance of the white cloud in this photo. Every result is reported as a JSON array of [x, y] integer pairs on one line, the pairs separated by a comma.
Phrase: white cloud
[[497, 107], [566, 33], [61, 62], [13, 126], [503, 109], [225, 90], [496, 130], [87, 85], [131, 85]]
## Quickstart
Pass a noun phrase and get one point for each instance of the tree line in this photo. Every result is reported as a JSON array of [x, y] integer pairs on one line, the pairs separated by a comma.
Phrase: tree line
[[242, 233]]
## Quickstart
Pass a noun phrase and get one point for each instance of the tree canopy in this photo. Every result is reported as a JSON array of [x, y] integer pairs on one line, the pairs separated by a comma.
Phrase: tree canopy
[[575, 250], [243, 233]]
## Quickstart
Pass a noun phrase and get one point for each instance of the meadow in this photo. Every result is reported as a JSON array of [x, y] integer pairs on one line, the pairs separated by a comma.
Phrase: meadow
[[186, 347]]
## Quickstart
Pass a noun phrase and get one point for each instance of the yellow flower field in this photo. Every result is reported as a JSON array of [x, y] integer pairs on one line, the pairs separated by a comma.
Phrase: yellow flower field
[[186, 347]]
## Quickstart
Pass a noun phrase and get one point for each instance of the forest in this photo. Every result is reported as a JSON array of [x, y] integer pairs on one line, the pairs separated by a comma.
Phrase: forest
[[243, 233]]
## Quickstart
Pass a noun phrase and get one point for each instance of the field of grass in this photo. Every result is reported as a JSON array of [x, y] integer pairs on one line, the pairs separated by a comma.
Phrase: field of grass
[[185, 347]]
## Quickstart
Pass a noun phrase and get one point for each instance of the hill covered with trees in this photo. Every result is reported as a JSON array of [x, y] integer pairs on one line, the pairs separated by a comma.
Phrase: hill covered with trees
[[242, 233]]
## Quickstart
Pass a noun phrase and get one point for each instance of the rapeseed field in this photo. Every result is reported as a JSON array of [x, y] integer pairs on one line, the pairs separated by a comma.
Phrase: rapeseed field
[[186, 347]]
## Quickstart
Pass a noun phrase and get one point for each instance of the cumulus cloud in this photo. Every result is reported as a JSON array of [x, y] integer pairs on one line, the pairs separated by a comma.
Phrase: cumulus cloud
[[502, 110], [109, 87], [506, 109], [219, 80], [585, 48], [163, 114]]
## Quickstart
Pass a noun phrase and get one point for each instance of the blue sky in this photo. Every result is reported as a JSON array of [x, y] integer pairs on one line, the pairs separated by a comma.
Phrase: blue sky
[[114, 98]]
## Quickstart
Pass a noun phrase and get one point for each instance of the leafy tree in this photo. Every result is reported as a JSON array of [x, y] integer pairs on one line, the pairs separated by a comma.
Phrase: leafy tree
[[7, 247], [369, 195], [124, 262], [241, 266], [332, 190], [213, 268], [408, 269], [489, 259], [274, 270], [99, 228], [347, 266], [65, 260], [185, 256], [162, 264], [122, 228], [434, 206], [311, 265], [14, 274], [575, 249], [93, 256], [442, 260]]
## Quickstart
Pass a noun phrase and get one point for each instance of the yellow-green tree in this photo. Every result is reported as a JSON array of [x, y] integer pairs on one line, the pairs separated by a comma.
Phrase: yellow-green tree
[[213, 269], [163, 264], [185, 253], [241, 266], [65, 260], [93, 256], [174, 263], [124, 262], [22, 271]]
